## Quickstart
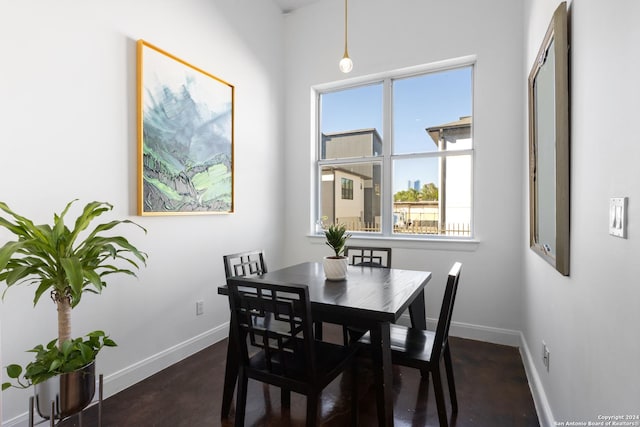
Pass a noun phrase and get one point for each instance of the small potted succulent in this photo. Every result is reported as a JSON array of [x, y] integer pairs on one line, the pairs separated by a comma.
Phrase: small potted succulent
[[335, 266], [64, 263]]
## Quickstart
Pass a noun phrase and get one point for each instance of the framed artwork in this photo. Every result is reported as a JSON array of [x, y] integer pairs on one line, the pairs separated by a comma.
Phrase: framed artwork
[[185, 137]]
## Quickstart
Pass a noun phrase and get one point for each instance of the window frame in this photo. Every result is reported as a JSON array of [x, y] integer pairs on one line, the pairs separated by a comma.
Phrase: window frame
[[387, 158]]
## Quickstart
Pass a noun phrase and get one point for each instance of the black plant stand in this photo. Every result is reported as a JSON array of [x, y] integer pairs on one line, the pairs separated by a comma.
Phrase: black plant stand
[[52, 418]]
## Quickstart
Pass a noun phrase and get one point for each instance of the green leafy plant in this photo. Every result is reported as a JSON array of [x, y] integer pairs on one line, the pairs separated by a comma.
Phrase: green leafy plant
[[52, 360], [336, 236], [58, 260]]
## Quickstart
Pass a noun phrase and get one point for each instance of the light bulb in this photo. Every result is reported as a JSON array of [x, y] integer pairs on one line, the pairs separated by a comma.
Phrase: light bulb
[[346, 64]]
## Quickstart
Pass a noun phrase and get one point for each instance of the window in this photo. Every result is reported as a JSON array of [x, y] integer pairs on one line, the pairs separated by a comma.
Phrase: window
[[395, 154], [347, 188]]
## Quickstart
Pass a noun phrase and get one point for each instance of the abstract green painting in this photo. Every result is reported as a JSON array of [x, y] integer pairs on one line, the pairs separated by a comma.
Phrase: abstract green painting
[[185, 137]]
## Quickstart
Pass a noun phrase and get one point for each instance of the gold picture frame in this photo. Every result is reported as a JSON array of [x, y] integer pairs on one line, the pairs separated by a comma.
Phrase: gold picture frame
[[185, 137]]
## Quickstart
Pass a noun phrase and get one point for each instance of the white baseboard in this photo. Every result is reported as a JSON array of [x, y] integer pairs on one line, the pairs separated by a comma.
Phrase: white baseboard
[[485, 333], [545, 416], [475, 332], [120, 380]]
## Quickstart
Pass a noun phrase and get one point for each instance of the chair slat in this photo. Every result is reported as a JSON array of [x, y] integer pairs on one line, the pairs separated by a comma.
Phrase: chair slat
[[368, 256], [245, 264]]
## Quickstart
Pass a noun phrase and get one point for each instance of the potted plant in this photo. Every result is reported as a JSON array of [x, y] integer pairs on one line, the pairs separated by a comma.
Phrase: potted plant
[[335, 266], [63, 264]]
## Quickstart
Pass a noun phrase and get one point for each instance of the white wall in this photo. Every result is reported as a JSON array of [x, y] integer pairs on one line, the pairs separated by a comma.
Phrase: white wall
[[386, 35], [67, 102], [590, 319], [68, 108]]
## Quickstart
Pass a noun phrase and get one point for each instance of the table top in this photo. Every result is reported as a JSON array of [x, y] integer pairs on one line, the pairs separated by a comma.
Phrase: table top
[[368, 293]]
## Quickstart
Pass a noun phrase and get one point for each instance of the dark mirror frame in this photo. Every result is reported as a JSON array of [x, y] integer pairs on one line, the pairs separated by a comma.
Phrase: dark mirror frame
[[556, 38]]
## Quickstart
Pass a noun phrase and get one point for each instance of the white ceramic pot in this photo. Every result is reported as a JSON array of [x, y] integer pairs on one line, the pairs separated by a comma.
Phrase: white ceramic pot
[[335, 268]]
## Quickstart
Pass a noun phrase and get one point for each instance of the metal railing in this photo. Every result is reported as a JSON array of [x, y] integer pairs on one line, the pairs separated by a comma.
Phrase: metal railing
[[452, 229]]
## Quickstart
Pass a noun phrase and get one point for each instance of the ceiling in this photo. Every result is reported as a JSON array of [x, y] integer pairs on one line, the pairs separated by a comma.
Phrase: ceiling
[[289, 5]]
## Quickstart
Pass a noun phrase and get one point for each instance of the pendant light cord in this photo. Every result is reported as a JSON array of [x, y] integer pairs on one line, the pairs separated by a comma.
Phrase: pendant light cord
[[346, 53]]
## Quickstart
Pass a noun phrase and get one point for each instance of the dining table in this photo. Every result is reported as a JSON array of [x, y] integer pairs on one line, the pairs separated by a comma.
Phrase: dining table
[[369, 298]]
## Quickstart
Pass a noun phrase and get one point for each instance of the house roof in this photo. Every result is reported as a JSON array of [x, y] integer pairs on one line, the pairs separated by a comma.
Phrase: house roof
[[353, 132], [434, 131]]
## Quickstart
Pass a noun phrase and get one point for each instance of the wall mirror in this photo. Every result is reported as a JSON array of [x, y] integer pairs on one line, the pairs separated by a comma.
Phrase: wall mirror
[[549, 145]]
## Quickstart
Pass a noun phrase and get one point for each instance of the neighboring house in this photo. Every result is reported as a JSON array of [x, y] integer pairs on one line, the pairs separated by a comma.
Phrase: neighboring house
[[351, 192]]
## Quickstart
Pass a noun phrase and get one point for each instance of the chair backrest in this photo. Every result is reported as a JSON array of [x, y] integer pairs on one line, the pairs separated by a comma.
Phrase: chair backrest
[[444, 321], [288, 351], [368, 256], [244, 264]]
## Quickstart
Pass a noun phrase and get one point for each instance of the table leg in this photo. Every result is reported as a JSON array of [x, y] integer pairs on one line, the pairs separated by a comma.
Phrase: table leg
[[383, 375], [417, 312], [230, 376]]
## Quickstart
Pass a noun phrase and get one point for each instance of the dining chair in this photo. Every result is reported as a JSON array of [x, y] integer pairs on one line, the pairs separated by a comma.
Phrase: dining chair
[[366, 256], [241, 264], [247, 264], [423, 350], [292, 360], [244, 263]]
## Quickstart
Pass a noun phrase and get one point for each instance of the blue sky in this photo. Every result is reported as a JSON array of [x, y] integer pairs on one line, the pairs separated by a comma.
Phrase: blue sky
[[418, 103]]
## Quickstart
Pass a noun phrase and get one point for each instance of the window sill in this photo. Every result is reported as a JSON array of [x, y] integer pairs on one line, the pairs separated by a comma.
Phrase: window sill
[[430, 243]]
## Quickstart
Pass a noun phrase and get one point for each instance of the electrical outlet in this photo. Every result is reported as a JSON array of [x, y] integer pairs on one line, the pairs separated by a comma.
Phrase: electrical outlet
[[199, 308], [545, 355]]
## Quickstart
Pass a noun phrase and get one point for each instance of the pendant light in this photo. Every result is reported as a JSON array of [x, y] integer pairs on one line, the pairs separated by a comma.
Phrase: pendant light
[[346, 64]]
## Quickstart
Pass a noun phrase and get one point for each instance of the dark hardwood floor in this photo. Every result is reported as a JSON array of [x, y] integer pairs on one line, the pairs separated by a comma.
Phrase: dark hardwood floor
[[490, 381]]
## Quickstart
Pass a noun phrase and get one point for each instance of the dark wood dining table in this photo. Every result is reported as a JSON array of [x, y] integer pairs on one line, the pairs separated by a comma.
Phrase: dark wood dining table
[[370, 298]]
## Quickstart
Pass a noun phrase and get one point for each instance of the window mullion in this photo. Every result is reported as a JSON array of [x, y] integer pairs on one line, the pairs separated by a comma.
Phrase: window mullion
[[387, 150], [348, 161], [450, 153]]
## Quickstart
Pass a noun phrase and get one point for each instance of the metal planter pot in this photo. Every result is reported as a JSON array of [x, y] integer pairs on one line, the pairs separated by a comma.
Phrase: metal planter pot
[[70, 392]]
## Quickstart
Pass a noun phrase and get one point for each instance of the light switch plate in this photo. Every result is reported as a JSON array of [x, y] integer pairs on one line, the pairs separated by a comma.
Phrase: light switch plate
[[618, 217]]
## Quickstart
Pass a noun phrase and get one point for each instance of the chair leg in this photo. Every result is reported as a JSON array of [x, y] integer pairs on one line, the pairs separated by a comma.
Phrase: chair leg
[[424, 373], [313, 402], [318, 330], [345, 335], [354, 393], [437, 388], [241, 399], [285, 398], [230, 376], [452, 386]]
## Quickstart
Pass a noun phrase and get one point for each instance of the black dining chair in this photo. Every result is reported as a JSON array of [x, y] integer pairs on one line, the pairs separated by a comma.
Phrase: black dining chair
[[291, 359], [365, 256], [248, 264], [244, 264], [368, 256], [241, 264], [423, 350]]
